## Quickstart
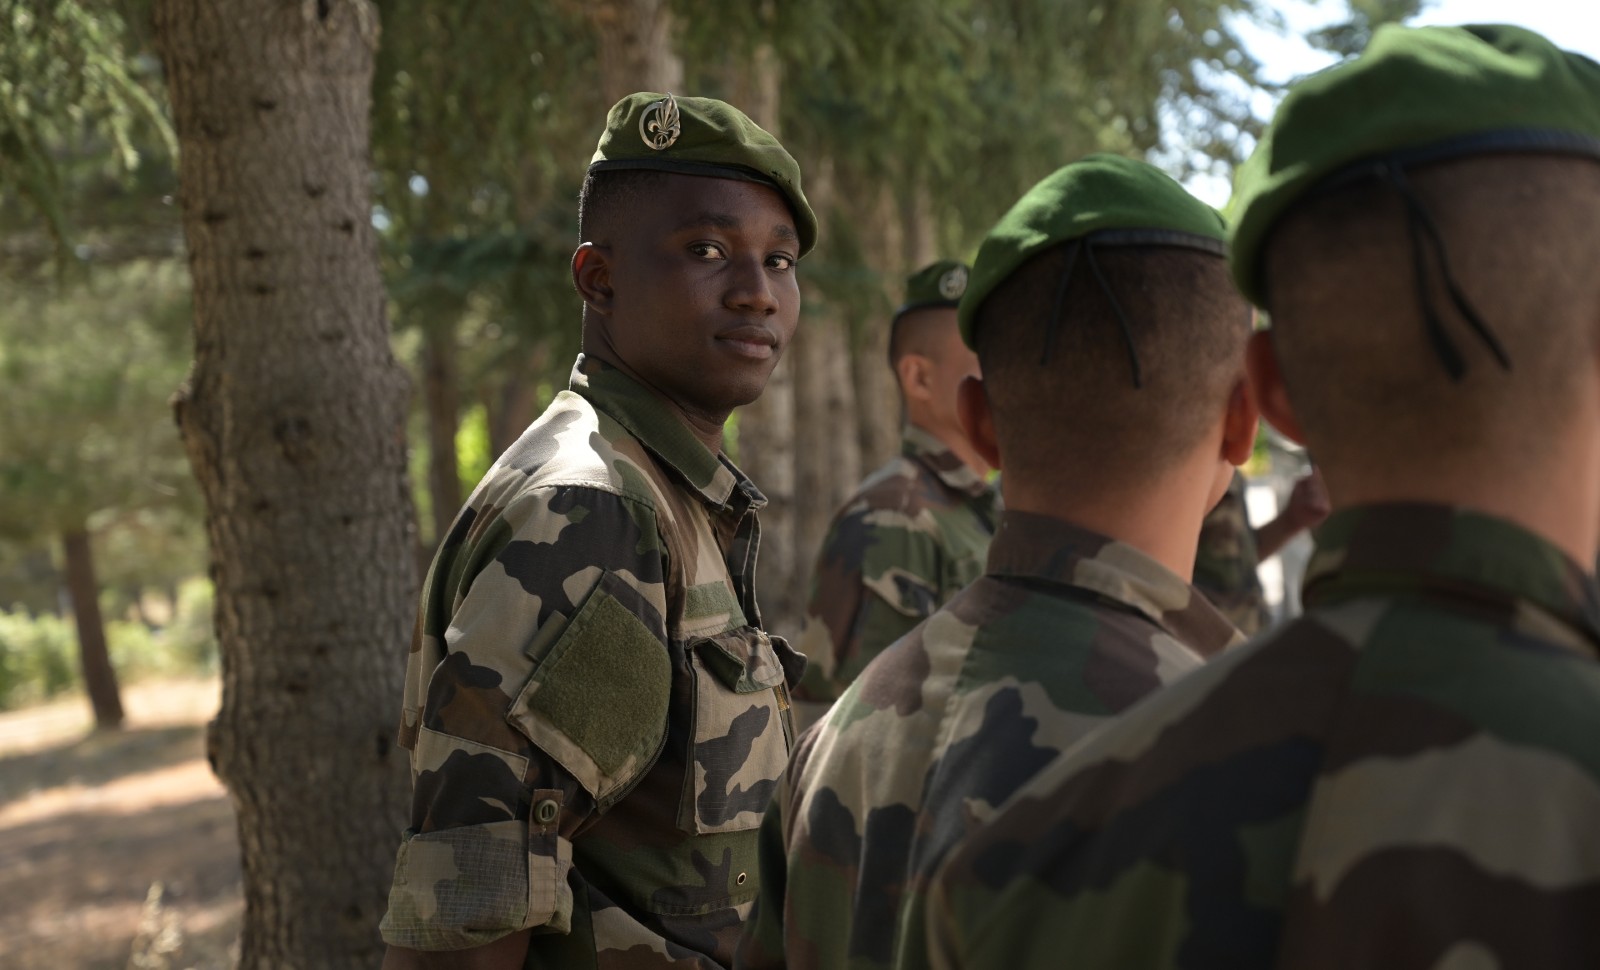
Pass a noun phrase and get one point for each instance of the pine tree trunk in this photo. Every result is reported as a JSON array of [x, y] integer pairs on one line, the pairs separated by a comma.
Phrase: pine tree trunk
[[99, 678], [831, 468], [635, 47], [878, 398], [442, 393], [294, 420]]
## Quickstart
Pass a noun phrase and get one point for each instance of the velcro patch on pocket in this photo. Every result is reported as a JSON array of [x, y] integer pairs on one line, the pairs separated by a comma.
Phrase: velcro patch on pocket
[[597, 703]]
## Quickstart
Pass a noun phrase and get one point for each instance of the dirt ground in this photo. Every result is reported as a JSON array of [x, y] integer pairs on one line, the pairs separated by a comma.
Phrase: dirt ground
[[116, 850]]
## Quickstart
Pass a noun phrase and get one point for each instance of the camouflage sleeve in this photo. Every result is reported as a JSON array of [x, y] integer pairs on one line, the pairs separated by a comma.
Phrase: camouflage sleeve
[[541, 623], [873, 584]]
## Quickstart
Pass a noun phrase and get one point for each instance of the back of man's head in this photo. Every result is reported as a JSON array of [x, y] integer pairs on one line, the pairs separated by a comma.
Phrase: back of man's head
[[1421, 224], [1075, 415], [1522, 234], [1107, 327]]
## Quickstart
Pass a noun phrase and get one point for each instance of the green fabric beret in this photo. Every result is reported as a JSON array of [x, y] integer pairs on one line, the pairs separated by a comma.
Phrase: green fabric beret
[[1117, 201], [1416, 95], [701, 136], [937, 284]]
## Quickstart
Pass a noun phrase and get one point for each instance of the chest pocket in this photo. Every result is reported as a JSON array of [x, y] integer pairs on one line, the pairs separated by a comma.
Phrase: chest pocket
[[742, 728]]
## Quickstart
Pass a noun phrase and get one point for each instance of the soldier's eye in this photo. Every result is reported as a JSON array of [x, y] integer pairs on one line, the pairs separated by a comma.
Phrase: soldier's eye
[[782, 262], [706, 250]]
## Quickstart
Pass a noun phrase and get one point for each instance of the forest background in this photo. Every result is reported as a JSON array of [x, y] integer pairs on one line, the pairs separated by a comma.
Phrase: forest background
[[280, 278]]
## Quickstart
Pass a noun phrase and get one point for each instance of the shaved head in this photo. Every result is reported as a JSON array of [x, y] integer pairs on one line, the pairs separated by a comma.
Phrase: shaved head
[[1078, 419], [1522, 233]]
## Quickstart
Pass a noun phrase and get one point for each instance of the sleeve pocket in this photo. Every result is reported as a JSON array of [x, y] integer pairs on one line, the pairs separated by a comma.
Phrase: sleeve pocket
[[597, 701], [470, 885]]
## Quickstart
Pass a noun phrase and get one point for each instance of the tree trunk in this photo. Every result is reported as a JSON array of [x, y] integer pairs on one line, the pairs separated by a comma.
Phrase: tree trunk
[[831, 464], [878, 398], [294, 420], [635, 45], [99, 679], [442, 392]]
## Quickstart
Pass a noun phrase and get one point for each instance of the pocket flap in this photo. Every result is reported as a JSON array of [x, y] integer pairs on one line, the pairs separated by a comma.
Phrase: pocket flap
[[743, 660]]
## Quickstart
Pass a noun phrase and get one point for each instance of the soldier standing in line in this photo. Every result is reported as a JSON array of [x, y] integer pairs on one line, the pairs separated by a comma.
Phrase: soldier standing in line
[[916, 530], [595, 717], [1113, 398], [1231, 549], [1407, 776]]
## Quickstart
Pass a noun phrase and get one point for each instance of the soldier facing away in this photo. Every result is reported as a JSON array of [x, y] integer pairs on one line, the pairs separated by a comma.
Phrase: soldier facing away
[[1408, 775], [595, 717], [916, 530], [1113, 399]]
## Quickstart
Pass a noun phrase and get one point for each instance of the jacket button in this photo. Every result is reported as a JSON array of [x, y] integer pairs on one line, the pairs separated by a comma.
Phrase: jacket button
[[741, 877], [546, 811]]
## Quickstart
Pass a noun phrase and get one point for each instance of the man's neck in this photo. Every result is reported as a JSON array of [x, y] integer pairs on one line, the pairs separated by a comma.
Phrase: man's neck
[[1557, 499], [1160, 518], [706, 428]]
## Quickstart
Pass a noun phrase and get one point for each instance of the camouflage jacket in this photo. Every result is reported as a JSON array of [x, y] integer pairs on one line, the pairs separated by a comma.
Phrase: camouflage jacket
[[1065, 629], [911, 536], [595, 718], [1225, 563], [1406, 776]]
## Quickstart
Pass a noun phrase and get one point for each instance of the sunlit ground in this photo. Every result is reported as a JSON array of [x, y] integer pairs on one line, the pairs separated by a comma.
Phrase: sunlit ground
[[116, 850]]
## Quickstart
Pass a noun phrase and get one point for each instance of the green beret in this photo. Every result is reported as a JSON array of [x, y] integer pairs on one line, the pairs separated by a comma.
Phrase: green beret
[[937, 284], [1117, 201], [1416, 95], [701, 136]]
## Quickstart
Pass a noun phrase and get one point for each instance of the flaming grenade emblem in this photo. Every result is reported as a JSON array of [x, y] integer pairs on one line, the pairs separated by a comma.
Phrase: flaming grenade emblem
[[660, 125]]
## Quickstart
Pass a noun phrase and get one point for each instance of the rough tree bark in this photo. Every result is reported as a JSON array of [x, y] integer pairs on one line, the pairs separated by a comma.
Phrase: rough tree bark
[[827, 457], [878, 399], [294, 420], [99, 677]]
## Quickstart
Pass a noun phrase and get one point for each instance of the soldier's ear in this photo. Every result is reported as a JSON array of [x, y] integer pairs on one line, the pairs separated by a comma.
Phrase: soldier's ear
[[977, 420], [1240, 421], [591, 275], [915, 372], [1266, 386]]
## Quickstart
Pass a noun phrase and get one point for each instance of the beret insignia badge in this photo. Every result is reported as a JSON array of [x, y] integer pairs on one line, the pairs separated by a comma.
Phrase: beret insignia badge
[[953, 283], [660, 124]]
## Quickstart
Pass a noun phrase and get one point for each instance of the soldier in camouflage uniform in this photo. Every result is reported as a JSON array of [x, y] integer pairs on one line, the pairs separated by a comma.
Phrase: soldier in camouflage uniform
[[1102, 294], [595, 717], [917, 529], [1231, 549], [1407, 776]]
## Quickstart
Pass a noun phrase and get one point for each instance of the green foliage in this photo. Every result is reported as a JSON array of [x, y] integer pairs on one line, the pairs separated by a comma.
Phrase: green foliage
[[38, 658], [473, 452], [86, 427], [73, 88], [39, 654], [186, 646]]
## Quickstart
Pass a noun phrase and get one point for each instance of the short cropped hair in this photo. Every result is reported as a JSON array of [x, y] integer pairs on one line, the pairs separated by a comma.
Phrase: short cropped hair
[[919, 331], [606, 194], [1521, 233], [1077, 419]]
